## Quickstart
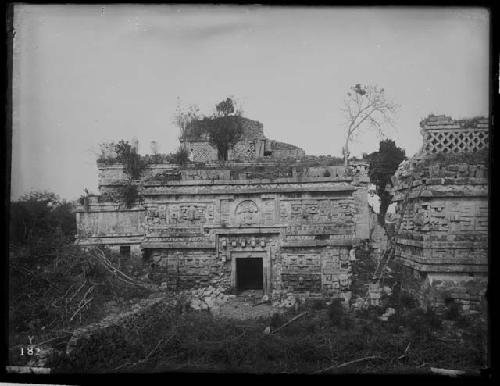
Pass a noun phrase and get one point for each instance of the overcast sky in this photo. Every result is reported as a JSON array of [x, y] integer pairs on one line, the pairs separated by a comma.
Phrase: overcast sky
[[84, 74]]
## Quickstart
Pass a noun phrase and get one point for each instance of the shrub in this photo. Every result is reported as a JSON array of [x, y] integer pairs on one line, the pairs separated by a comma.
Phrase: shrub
[[383, 165], [422, 323], [41, 220], [132, 162], [181, 157], [336, 312], [276, 320], [407, 301], [317, 304], [452, 311], [129, 194]]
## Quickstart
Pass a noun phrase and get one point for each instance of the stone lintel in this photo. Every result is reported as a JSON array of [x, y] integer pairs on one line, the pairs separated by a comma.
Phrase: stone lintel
[[109, 240], [113, 236], [177, 245], [275, 229], [317, 243]]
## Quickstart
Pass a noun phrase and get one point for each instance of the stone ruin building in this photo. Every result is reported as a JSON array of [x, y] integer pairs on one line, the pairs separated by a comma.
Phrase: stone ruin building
[[442, 192], [270, 218], [253, 144], [274, 219]]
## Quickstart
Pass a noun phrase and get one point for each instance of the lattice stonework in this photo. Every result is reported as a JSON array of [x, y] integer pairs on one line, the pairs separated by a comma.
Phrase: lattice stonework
[[455, 141]]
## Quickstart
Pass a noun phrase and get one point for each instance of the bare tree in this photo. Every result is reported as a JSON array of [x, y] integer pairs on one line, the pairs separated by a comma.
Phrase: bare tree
[[366, 106], [184, 115]]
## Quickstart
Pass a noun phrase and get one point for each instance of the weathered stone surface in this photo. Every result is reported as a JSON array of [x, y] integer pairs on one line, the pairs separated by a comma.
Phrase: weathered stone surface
[[299, 215], [444, 228]]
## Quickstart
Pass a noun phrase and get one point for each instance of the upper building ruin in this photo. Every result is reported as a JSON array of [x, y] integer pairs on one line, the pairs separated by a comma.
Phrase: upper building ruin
[[252, 144]]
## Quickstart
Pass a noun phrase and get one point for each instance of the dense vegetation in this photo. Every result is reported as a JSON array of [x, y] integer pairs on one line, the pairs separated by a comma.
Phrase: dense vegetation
[[326, 340], [383, 165], [53, 285], [41, 222]]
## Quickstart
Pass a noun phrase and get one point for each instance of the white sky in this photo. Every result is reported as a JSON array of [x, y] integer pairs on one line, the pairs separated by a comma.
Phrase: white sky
[[84, 74]]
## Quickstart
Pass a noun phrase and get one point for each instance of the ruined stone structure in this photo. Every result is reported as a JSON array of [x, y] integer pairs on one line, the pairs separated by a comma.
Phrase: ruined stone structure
[[443, 197], [253, 144], [274, 225], [445, 135]]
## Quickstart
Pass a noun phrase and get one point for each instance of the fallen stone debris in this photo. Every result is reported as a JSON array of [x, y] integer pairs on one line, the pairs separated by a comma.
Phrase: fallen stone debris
[[387, 314], [207, 298]]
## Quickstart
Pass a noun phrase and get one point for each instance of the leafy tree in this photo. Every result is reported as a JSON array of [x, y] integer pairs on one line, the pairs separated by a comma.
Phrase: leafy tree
[[365, 106], [383, 165], [223, 127], [41, 218], [130, 159], [225, 108], [223, 133]]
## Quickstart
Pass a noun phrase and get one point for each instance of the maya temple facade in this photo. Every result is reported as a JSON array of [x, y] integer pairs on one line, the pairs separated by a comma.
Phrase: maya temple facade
[[274, 219], [268, 218]]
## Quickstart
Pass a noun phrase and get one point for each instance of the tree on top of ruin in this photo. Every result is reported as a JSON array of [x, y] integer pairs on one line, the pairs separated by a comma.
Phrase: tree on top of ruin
[[224, 127], [228, 107], [225, 108], [366, 106]]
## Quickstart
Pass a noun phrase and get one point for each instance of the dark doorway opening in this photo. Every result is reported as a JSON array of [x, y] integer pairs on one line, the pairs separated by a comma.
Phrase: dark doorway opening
[[249, 274]]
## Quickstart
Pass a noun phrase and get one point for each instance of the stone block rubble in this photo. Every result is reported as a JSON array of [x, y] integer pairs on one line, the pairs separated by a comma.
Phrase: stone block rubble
[[209, 298]]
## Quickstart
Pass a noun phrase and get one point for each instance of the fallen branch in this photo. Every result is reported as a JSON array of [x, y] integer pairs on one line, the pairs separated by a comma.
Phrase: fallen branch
[[78, 290], [290, 321], [405, 352], [349, 363], [80, 308], [90, 289], [115, 271]]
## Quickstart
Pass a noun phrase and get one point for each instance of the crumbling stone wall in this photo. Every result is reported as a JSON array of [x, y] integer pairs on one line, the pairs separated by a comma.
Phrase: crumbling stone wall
[[179, 269], [253, 144], [443, 134], [281, 150], [443, 240]]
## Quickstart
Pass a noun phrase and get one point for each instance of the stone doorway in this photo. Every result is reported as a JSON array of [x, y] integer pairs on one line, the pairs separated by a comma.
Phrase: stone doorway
[[249, 274]]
